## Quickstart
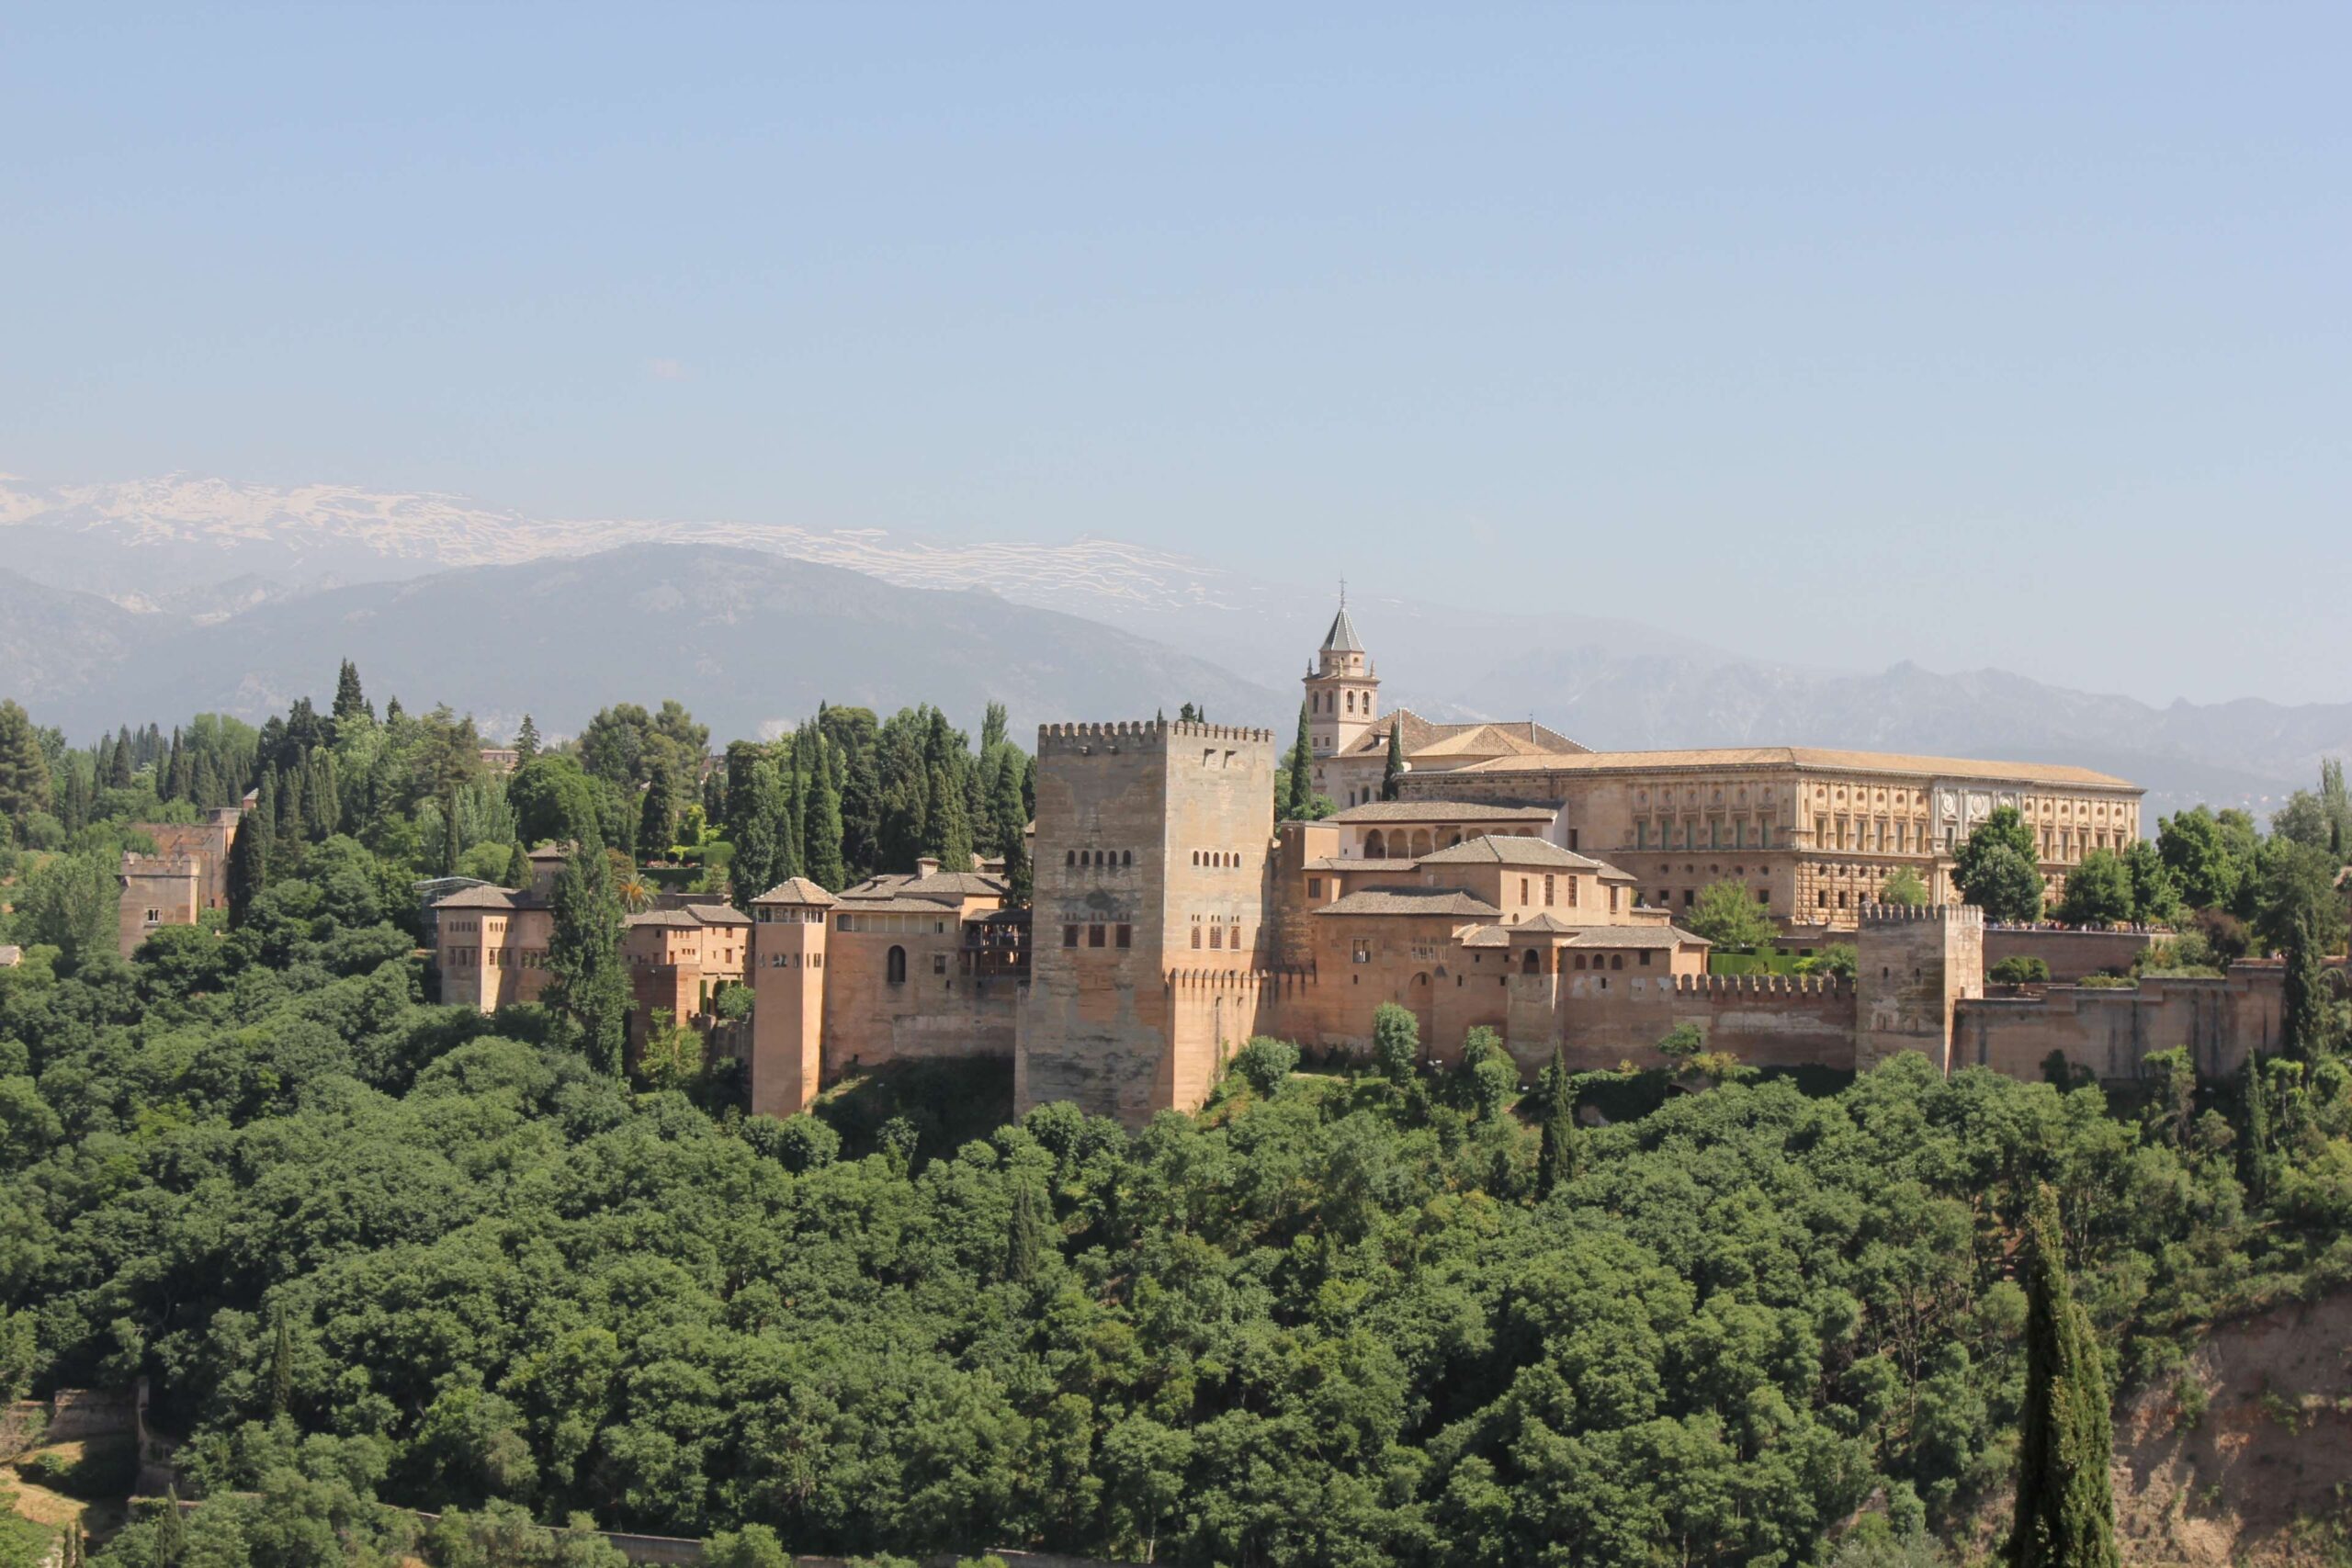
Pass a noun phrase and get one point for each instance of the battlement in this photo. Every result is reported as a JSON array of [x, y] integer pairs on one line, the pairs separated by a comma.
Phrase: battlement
[[1190, 978], [137, 865], [1065, 738], [1763, 986], [1948, 914]]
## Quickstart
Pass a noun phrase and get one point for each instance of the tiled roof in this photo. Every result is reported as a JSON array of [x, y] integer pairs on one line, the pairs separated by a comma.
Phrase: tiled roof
[[678, 918], [717, 915], [1341, 638], [1802, 757], [1545, 925], [1410, 901], [1423, 737], [932, 906], [1432, 811], [1364, 865], [796, 890], [958, 884], [478, 898], [1500, 850], [1487, 936], [1638, 936]]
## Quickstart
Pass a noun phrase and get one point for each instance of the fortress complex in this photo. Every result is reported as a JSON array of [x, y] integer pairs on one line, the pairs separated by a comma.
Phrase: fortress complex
[[1520, 884]]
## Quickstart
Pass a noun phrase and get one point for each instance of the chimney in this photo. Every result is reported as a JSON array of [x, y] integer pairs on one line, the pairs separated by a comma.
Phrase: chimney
[[927, 865]]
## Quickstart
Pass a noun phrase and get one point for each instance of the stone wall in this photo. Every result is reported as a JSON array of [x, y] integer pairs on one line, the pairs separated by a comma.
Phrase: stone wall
[[1912, 967], [2070, 954], [871, 1020], [2110, 1031]]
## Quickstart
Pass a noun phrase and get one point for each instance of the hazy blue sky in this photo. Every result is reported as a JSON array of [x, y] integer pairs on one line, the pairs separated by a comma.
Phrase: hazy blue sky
[[1974, 335]]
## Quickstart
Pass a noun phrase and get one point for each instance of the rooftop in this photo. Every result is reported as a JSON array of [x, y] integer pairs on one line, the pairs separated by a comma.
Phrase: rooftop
[[1341, 638], [796, 890], [1803, 758], [1424, 738], [1412, 901], [1494, 849], [1441, 811]]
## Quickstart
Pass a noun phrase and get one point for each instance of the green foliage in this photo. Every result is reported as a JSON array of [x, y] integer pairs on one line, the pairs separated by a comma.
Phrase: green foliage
[[1392, 772], [24, 768], [2020, 971], [1997, 868], [1395, 1043], [1561, 1156], [2211, 860], [104, 1468], [588, 982], [1682, 1042], [1266, 1063], [1294, 786], [1905, 889], [2065, 1508], [2099, 891], [1728, 914], [551, 800]]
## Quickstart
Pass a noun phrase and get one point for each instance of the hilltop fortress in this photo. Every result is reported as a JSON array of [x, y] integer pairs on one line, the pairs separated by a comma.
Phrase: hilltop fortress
[[1519, 882]]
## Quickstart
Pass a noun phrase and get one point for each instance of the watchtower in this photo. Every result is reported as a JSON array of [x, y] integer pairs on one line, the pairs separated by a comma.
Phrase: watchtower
[[1153, 855], [788, 995], [1912, 967]]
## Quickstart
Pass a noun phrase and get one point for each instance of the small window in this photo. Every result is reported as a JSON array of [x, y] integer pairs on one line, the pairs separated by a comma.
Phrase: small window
[[1127, 857], [1069, 936], [1616, 961], [1547, 889], [1070, 858], [1196, 936], [1094, 936], [1523, 890], [1314, 887], [1645, 958], [939, 963], [1361, 950], [1126, 936], [895, 967], [1216, 936]]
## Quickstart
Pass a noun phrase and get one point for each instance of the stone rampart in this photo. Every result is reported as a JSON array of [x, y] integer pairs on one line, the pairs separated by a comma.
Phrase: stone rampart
[[2070, 954], [2111, 1031]]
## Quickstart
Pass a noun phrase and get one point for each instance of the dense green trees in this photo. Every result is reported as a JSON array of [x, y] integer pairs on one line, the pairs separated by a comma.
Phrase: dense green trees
[[24, 768], [1392, 770], [1997, 867], [588, 982], [2065, 1508], [2099, 891]]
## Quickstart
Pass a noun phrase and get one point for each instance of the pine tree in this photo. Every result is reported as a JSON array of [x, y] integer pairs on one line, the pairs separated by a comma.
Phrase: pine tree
[[2066, 1506], [350, 702], [118, 770], [527, 741], [1298, 775], [1392, 774], [249, 854], [1024, 1244], [24, 767], [1557, 1161], [588, 984]]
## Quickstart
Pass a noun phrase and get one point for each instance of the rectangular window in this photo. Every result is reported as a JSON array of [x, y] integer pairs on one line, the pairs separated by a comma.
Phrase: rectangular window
[[1548, 889], [1645, 958], [1689, 898], [1523, 890], [939, 963], [1196, 937], [1094, 936], [1360, 950], [1763, 835], [1126, 936], [1314, 887], [1641, 835], [841, 923], [1069, 936], [1572, 839], [1612, 900], [1216, 936]]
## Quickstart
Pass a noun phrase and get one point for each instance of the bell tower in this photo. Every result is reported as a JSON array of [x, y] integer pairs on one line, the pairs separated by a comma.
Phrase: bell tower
[[1343, 694]]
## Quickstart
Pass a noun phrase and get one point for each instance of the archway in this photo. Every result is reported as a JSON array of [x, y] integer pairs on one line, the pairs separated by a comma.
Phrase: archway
[[1420, 843], [1376, 845], [895, 967], [1530, 964]]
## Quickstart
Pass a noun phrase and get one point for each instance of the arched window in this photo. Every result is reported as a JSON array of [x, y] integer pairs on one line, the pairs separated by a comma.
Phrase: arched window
[[1069, 857], [1376, 845], [1420, 843], [1530, 964], [1127, 857], [895, 970], [1352, 702]]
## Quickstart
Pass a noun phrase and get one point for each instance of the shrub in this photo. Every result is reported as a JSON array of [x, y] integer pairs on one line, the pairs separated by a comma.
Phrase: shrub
[[1266, 1063], [107, 1467], [2019, 972]]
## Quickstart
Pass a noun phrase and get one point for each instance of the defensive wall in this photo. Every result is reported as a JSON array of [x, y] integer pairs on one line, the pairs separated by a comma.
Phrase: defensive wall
[[2070, 954]]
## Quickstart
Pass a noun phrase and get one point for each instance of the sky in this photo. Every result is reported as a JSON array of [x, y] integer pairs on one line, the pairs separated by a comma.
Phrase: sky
[[1975, 335]]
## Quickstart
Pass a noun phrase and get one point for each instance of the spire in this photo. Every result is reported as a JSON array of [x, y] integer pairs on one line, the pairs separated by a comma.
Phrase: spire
[[1341, 638]]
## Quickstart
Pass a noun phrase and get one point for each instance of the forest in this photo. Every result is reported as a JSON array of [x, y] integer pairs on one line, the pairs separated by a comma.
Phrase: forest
[[373, 1254]]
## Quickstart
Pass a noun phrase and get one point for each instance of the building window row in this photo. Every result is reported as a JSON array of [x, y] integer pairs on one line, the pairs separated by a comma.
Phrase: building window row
[[1223, 858], [789, 917], [1103, 860], [795, 960], [1098, 935]]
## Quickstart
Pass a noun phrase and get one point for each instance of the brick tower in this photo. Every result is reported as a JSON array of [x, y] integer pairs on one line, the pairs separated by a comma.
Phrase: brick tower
[[1154, 847], [1911, 969], [788, 995], [1343, 693]]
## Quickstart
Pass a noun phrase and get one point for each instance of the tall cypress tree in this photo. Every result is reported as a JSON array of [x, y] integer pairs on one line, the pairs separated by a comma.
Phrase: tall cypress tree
[[518, 866], [1557, 1161], [2254, 1102], [658, 811], [1298, 773], [584, 955], [948, 830], [2304, 1010], [1392, 774], [249, 855], [1024, 1242], [1008, 824], [119, 770], [824, 832], [2065, 1515]]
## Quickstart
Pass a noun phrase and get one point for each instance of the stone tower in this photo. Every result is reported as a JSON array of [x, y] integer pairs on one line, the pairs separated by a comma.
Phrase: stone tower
[[1343, 693], [1911, 969], [1154, 850], [788, 995]]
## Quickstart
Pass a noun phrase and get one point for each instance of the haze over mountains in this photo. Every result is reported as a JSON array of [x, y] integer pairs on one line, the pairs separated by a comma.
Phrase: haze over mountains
[[153, 599]]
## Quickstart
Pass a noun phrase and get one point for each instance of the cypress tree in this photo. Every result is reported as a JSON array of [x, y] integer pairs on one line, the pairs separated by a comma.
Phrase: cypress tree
[[2303, 1012], [589, 984], [289, 804], [1024, 1244], [857, 788], [824, 831], [171, 1531], [119, 770], [1557, 1161], [2254, 1097], [518, 866], [2065, 1508], [249, 855], [527, 741], [453, 837], [1392, 774], [1008, 824], [947, 831], [1298, 775], [658, 812]]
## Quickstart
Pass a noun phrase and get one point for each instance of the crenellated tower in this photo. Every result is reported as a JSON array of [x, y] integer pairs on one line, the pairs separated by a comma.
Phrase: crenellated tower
[[1912, 969], [1342, 691], [788, 995]]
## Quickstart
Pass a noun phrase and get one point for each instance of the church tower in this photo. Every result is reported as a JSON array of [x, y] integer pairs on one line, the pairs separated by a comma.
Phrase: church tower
[[1343, 694]]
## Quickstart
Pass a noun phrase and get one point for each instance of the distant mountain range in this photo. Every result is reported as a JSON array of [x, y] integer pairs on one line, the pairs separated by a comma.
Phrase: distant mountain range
[[156, 598]]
